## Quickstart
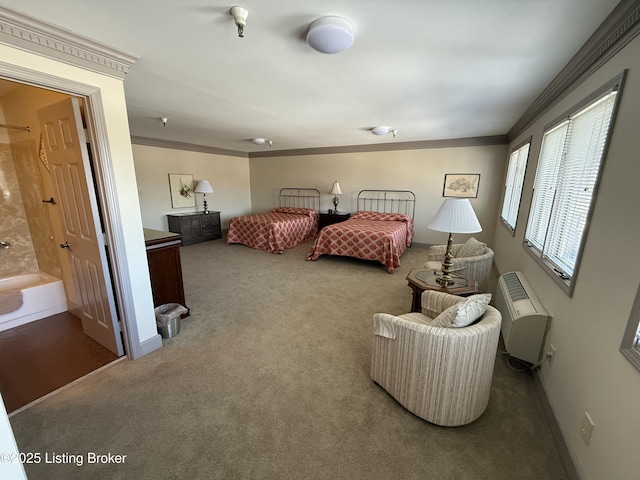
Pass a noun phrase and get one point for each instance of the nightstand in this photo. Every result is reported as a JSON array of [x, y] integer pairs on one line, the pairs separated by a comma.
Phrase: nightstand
[[330, 218]]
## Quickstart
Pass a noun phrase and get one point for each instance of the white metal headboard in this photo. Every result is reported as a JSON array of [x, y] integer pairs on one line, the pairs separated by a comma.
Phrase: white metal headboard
[[387, 201], [299, 198]]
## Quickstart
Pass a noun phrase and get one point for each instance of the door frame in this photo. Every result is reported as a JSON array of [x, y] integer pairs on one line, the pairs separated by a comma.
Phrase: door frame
[[106, 191]]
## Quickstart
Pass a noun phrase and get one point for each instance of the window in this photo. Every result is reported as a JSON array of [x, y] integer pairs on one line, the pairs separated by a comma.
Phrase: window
[[569, 166], [630, 347], [513, 186]]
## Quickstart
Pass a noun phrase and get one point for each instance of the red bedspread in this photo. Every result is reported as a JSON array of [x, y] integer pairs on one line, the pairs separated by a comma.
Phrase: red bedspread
[[275, 231], [367, 235]]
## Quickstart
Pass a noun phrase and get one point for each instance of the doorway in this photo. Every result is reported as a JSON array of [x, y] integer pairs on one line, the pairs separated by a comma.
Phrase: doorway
[[33, 342]]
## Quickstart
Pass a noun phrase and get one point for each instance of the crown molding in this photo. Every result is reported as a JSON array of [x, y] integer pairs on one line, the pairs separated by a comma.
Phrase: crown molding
[[34, 36], [189, 147], [385, 147], [618, 29]]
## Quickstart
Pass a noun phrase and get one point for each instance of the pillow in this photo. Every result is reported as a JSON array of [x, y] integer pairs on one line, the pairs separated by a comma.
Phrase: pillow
[[471, 248], [294, 210], [464, 313]]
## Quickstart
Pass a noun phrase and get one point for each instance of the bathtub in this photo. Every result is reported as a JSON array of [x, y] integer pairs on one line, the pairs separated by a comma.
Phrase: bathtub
[[42, 295]]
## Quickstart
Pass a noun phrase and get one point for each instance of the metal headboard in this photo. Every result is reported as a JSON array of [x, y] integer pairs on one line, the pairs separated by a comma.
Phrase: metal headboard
[[300, 198], [387, 201]]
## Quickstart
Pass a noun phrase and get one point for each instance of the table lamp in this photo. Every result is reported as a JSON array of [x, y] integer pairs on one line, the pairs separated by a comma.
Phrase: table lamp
[[455, 215], [335, 191], [204, 187]]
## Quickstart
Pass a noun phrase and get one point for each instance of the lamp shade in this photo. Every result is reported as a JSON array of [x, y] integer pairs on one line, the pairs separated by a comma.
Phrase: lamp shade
[[330, 35], [336, 190], [455, 215], [203, 187]]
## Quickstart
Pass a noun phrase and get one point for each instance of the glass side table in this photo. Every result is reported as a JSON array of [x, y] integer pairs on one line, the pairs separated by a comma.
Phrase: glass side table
[[421, 280]]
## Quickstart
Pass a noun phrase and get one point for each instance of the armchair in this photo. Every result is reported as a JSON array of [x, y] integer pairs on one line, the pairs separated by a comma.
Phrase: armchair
[[466, 262], [441, 374]]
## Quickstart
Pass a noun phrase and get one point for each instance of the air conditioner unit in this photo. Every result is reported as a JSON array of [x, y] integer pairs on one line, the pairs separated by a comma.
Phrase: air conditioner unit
[[524, 319]]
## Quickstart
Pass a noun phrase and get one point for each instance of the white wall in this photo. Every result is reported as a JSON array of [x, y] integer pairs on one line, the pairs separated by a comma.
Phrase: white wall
[[588, 373], [421, 171], [228, 175]]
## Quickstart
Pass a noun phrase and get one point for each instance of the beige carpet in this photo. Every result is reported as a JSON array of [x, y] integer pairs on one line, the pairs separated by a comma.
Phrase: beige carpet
[[269, 379]]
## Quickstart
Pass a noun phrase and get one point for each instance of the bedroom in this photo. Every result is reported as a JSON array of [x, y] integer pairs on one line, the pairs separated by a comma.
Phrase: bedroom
[[581, 379]]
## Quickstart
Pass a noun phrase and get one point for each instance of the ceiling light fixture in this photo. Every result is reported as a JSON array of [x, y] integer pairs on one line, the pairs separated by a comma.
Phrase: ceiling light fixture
[[384, 130], [164, 120], [330, 34], [240, 15], [261, 141]]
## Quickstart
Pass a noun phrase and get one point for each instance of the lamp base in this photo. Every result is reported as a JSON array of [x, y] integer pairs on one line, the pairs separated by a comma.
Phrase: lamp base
[[445, 280], [206, 208], [336, 201]]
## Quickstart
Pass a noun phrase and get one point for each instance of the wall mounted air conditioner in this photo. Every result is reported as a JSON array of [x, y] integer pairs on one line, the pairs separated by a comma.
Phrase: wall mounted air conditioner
[[524, 319]]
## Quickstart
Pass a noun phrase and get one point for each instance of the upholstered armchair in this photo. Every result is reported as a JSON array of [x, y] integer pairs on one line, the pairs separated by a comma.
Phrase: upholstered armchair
[[472, 260], [440, 373]]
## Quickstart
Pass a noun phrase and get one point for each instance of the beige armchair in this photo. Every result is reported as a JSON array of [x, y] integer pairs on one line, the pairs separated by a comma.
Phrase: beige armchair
[[476, 267], [441, 374]]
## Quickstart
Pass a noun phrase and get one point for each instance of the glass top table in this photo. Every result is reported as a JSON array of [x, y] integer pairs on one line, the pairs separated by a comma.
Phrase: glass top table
[[421, 280]]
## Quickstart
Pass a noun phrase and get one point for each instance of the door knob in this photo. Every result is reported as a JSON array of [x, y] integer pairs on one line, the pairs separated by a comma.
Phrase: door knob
[[65, 245]]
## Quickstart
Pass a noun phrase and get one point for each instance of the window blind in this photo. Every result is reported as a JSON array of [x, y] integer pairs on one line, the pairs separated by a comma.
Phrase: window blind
[[568, 170], [513, 185]]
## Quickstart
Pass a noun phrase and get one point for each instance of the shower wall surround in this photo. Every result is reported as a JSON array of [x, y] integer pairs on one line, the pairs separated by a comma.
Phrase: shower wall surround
[[14, 228]]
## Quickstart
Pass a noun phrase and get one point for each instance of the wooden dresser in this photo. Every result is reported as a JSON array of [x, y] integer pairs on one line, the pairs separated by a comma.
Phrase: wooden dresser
[[195, 227], [165, 268]]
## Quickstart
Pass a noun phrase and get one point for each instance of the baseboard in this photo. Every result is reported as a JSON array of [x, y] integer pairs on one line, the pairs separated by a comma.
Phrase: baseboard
[[148, 346], [556, 432]]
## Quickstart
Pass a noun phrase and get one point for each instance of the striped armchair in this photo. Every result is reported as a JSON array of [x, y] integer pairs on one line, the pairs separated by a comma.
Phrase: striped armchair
[[476, 268], [442, 375]]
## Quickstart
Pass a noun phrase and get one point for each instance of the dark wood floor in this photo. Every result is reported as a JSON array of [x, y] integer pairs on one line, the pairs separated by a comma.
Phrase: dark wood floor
[[42, 356]]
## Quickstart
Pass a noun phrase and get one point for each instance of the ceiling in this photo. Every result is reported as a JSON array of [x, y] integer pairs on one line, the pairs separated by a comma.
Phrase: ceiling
[[432, 69]]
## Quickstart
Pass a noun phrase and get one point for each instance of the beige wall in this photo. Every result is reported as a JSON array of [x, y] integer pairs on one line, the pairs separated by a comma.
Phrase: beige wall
[[588, 373], [229, 177], [421, 171]]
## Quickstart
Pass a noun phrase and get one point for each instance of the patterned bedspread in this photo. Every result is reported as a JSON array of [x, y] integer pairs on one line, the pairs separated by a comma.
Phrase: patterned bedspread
[[367, 235], [275, 231]]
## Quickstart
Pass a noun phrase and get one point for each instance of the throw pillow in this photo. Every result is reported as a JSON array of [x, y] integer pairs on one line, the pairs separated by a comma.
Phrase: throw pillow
[[464, 313], [471, 248]]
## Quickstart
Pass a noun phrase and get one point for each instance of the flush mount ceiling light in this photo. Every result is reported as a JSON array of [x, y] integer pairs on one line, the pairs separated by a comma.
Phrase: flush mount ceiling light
[[384, 130], [261, 141], [330, 34], [164, 120], [240, 15]]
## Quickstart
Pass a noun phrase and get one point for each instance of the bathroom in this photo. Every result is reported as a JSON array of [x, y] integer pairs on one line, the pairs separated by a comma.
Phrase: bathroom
[[30, 225]]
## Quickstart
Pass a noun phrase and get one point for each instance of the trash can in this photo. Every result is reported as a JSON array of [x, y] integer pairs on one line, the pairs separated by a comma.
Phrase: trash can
[[168, 319]]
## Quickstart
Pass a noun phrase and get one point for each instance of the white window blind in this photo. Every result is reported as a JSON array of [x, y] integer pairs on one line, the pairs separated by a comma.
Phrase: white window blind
[[568, 170], [513, 185]]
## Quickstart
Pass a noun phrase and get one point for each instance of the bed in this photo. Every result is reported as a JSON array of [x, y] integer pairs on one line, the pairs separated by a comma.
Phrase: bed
[[293, 222], [381, 229]]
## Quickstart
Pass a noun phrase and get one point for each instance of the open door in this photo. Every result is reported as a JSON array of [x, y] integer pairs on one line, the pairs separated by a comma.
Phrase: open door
[[68, 159]]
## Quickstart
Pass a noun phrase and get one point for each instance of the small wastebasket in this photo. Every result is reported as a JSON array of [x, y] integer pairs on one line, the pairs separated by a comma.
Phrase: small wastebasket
[[168, 319]]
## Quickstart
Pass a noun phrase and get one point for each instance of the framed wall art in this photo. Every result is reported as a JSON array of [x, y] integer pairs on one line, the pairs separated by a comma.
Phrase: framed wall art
[[181, 188], [461, 185]]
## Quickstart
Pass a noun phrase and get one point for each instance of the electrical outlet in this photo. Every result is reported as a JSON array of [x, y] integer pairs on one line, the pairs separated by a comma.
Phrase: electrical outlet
[[587, 428]]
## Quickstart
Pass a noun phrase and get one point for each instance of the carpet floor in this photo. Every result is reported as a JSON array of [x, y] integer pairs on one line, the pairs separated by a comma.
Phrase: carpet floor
[[269, 379]]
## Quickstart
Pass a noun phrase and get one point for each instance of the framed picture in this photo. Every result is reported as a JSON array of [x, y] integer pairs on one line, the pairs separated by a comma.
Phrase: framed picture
[[461, 185], [181, 188]]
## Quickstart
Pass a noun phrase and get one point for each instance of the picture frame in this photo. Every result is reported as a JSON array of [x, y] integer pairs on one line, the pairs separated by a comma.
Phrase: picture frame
[[461, 185], [181, 190]]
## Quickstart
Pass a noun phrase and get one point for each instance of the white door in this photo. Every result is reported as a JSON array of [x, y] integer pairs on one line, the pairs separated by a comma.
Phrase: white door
[[70, 167]]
